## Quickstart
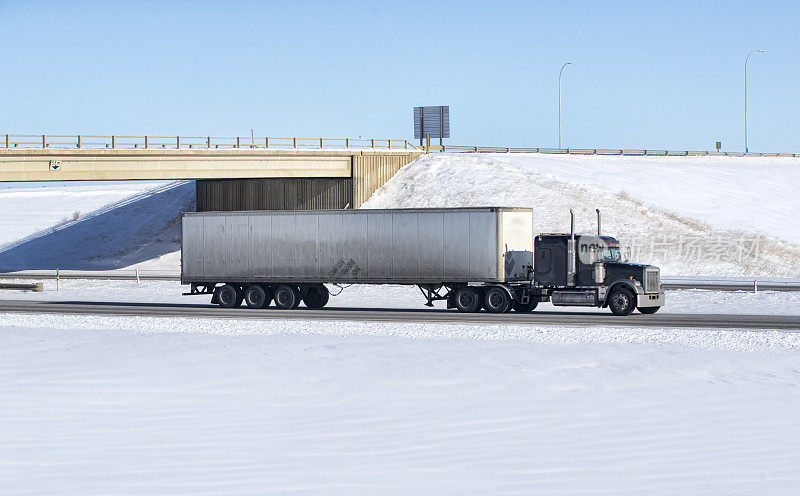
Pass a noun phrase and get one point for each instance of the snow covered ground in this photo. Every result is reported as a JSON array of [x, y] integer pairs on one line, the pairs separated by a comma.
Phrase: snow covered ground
[[147, 405], [710, 216], [121, 405], [94, 227]]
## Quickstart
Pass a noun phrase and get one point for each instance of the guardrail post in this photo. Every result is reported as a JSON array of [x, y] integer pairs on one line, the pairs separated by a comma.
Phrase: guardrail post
[[294, 143], [209, 141], [79, 141], [346, 143], [238, 142], [44, 141], [406, 144], [113, 142], [373, 143], [8, 141], [266, 142], [146, 142], [320, 144], [178, 141]]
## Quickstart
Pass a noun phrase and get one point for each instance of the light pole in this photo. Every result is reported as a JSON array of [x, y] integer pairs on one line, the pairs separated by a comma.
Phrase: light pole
[[746, 149], [559, 102]]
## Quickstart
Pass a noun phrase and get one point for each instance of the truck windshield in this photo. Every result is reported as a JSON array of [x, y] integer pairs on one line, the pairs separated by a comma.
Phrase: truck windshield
[[609, 254]]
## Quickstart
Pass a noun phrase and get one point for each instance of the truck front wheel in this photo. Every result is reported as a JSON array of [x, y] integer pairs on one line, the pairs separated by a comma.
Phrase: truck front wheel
[[468, 299], [621, 302], [229, 296]]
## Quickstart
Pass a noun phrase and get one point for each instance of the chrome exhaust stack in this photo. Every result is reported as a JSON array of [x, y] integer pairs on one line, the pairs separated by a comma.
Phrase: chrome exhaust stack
[[598, 220], [571, 250]]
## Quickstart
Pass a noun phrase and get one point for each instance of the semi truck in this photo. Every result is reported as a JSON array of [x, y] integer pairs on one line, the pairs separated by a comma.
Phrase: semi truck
[[483, 258]]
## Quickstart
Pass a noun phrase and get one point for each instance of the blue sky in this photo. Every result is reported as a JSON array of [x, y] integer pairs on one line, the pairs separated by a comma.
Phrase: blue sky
[[644, 74]]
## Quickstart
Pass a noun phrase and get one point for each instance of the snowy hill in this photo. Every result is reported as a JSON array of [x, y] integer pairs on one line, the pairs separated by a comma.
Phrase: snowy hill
[[140, 226], [712, 216]]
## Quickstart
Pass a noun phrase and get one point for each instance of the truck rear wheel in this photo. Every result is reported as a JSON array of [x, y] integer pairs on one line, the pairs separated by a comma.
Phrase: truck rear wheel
[[496, 300], [527, 307], [257, 296], [468, 299], [315, 296], [229, 296], [621, 302], [648, 310], [286, 297]]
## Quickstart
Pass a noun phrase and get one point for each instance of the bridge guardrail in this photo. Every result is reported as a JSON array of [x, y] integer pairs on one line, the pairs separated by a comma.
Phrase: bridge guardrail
[[116, 142], [603, 151]]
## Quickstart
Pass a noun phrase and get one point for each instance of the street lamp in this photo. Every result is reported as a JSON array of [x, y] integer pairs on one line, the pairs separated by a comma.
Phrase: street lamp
[[559, 102], [746, 149]]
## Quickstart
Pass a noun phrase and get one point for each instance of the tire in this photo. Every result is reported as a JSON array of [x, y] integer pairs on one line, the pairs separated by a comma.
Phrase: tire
[[468, 299], [526, 308], [648, 310], [286, 297], [315, 296], [229, 296], [621, 302], [257, 296], [496, 300]]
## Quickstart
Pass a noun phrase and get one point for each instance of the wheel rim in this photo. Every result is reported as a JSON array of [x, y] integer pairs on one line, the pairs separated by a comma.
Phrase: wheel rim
[[226, 296], [255, 297], [496, 299], [620, 301], [283, 298], [466, 299]]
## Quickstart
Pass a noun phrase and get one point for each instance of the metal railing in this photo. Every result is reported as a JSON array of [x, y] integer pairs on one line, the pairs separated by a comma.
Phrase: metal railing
[[601, 151], [129, 142], [668, 282]]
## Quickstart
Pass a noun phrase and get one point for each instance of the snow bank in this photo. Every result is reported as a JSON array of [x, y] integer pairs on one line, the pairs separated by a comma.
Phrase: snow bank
[[716, 216], [97, 406]]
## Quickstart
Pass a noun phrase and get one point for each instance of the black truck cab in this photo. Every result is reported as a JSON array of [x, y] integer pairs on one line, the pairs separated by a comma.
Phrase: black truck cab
[[589, 270]]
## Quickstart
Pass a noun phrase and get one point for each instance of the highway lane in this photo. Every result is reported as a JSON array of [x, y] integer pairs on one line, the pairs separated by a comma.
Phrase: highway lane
[[598, 318]]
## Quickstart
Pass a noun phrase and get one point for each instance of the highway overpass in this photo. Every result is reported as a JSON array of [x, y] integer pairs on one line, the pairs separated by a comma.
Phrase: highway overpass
[[233, 173]]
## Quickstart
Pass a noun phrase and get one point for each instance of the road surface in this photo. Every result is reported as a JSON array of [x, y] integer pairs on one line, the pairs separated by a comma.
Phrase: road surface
[[600, 317]]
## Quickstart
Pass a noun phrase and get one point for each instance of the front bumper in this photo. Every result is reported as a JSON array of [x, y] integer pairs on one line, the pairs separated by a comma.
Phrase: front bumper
[[650, 299]]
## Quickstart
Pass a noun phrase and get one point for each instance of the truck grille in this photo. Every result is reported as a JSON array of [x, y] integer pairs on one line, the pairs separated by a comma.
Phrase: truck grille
[[652, 280]]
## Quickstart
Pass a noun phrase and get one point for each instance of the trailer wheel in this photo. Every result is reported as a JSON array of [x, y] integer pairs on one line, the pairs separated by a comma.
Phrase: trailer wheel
[[257, 296], [315, 296], [468, 299], [229, 296], [526, 308], [286, 297], [496, 300], [621, 302], [648, 310]]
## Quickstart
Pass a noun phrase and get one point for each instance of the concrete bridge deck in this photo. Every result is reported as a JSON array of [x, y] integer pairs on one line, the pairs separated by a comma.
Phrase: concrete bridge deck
[[365, 164]]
